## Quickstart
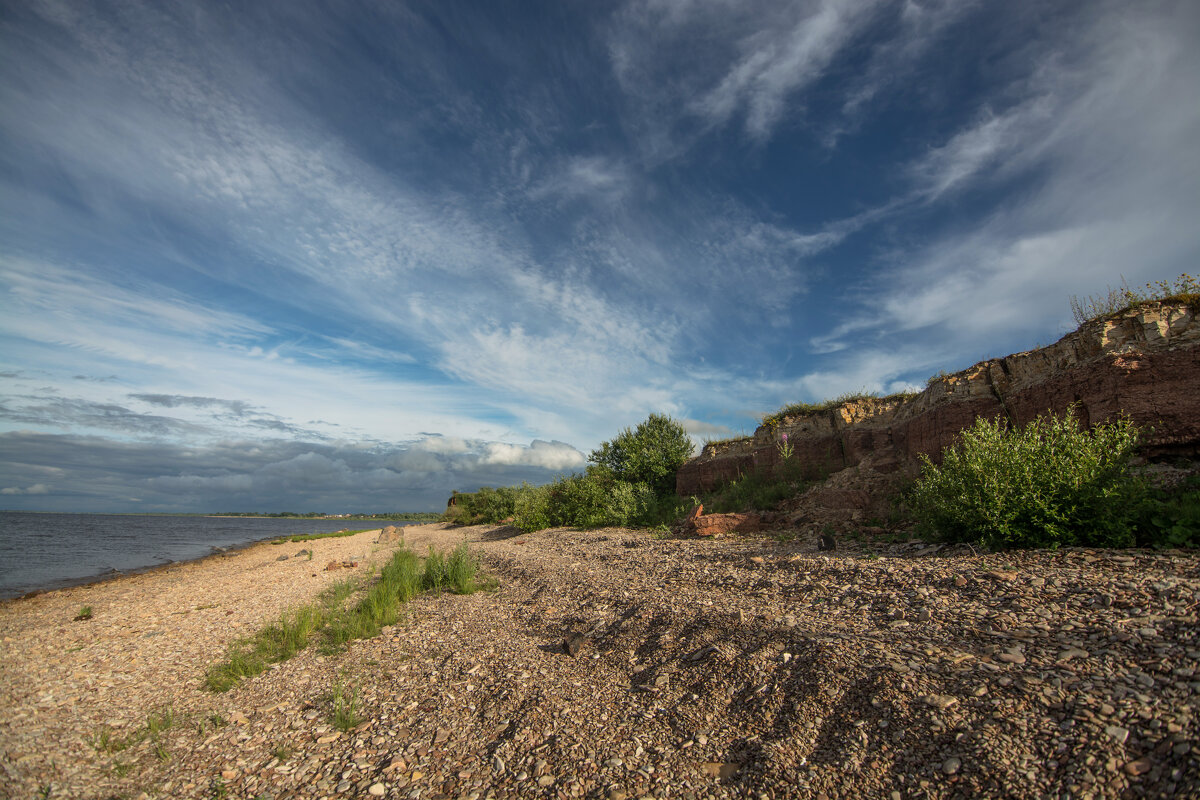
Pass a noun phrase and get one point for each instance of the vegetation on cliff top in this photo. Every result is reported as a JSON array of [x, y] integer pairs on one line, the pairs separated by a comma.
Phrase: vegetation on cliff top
[[1185, 290]]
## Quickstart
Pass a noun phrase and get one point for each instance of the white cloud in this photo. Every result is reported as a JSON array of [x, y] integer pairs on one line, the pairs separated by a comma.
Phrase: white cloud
[[37, 488], [791, 51], [549, 455]]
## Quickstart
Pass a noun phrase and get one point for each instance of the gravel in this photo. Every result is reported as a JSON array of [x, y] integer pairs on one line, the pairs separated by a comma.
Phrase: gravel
[[615, 664]]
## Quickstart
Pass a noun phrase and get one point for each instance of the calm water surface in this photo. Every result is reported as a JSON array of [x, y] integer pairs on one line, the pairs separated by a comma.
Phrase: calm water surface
[[45, 551]]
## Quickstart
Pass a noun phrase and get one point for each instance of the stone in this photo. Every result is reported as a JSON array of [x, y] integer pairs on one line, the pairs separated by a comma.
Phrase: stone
[[1117, 733], [718, 769], [282, 558], [1138, 767], [826, 543], [390, 535], [720, 524], [573, 643], [377, 789], [940, 701], [951, 765], [332, 565]]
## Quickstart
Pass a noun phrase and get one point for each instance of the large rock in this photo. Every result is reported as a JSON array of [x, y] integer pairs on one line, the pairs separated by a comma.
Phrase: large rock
[[1143, 363], [390, 535]]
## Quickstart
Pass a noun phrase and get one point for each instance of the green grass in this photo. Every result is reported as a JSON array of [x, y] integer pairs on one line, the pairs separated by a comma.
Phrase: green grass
[[346, 707], [308, 537], [337, 622], [106, 741], [1185, 289], [84, 613]]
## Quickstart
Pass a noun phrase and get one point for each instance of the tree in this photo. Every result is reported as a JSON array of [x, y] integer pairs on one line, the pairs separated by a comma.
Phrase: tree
[[651, 453]]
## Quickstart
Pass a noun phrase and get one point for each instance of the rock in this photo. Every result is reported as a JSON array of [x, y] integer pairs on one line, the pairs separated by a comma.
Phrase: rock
[[720, 524], [951, 765], [717, 769], [390, 535], [827, 542], [282, 558], [939, 701], [332, 565], [1117, 733], [229, 774], [497, 765], [377, 789], [1011, 658], [1142, 765], [573, 643]]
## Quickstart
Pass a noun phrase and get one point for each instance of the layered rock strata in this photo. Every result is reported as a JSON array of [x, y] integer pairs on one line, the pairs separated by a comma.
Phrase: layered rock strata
[[1143, 363]]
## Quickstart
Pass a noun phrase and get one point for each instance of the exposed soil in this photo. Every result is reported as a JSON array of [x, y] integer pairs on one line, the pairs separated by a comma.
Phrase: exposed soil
[[726, 668]]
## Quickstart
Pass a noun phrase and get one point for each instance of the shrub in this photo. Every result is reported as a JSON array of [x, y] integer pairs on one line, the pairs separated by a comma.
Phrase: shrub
[[651, 453], [531, 511], [1045, 485]]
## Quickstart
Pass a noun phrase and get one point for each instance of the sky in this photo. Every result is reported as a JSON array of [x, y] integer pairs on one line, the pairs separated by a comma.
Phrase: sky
[[353, 256]]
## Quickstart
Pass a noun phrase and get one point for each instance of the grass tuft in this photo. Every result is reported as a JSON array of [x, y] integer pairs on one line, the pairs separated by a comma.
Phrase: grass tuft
[[346, 707], [337, 622]]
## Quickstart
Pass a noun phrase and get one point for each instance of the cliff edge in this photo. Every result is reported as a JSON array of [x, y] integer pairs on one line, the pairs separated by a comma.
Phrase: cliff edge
[[1143, 363]]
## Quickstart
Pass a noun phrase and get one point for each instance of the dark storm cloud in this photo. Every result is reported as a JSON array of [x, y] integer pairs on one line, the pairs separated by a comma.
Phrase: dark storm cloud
[[76, 473]]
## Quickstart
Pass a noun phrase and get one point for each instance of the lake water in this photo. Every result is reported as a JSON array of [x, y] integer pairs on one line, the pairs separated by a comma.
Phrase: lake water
[[46, 551]]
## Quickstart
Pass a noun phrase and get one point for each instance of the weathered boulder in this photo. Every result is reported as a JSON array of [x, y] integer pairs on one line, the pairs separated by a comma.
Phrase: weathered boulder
[[390, 535], [1143, 363], [720, 524]]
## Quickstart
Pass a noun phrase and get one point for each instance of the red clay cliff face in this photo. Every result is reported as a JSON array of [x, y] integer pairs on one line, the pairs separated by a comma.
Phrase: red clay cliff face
[[1143, 363]]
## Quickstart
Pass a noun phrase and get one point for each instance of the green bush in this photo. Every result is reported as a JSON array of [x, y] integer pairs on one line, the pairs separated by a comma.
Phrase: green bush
[[651, 453], [1048, 484], [1172, 518], [532, 508], [488, 506]]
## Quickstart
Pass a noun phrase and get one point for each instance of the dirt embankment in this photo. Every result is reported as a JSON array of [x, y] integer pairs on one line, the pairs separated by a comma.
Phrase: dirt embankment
[[726, 668]]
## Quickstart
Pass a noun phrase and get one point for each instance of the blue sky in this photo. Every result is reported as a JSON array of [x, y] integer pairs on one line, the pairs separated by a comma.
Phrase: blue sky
[[355, 255]]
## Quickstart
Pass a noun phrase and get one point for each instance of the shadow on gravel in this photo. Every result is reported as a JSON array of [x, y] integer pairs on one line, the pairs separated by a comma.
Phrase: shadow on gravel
[[501, 533]]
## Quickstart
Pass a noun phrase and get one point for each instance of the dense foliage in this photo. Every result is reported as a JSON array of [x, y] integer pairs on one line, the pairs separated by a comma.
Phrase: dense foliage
[[630, 482], [1048, 484], [649, 454]]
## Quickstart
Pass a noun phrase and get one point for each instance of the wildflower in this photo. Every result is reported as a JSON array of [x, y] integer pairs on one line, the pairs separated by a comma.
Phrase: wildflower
[[785, 449]]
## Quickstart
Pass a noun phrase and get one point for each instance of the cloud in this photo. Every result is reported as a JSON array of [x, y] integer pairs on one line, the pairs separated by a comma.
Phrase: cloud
[[274, 474], [235, 407], [548, 455], [791, 51], [698, 428], [37, 488]]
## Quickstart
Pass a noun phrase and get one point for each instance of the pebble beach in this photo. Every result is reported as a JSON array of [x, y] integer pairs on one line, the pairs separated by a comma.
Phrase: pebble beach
[[617, 664]]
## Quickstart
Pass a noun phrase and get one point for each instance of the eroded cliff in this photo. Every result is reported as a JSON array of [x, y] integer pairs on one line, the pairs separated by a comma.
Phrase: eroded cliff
[[1143, 363]]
